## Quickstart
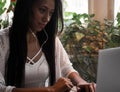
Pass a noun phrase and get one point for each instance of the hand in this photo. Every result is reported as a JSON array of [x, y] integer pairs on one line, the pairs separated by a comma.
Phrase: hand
[[62, 85], [86, 87]]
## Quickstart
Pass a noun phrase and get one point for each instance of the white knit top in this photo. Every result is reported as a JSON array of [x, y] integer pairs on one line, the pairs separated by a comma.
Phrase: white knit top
[[36, 74], [40, 68]]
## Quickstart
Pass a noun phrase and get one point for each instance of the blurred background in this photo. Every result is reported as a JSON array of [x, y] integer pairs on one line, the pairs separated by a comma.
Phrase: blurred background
[[89, 25]]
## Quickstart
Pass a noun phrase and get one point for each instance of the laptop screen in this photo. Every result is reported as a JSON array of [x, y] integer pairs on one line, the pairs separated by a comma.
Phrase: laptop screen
[[108, 72]]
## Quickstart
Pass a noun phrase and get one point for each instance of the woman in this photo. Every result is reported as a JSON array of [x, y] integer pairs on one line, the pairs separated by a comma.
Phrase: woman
[[31, 53]]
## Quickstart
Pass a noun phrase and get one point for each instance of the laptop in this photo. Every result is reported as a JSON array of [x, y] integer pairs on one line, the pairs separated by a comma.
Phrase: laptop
[[108, 71]]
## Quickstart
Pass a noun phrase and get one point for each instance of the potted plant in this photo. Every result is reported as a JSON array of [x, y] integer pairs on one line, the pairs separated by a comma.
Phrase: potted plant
[[83, 37]]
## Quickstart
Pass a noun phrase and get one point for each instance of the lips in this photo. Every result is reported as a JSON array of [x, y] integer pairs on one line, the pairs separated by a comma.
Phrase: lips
[[42, 25]]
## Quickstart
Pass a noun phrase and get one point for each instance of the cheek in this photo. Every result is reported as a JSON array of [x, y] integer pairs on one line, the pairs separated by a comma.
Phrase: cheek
[[36, 20], [37, 16]]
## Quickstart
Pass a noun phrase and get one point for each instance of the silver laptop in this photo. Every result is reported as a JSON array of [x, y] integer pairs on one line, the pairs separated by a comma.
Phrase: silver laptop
[[108, 73]]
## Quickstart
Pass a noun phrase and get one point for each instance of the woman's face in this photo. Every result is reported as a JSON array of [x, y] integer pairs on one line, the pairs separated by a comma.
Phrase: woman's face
[[42, 12]]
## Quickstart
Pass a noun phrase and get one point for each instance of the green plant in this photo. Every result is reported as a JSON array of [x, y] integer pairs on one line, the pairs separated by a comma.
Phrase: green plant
[[2, 4], [84, 36], [2, 10], [6, 8]]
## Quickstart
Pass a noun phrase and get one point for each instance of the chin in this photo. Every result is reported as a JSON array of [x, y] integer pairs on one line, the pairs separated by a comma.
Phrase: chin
[[38, 30]]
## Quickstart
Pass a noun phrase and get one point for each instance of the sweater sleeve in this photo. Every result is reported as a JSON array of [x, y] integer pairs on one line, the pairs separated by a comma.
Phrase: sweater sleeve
[[65, 65], [3, 56], [4, 88]]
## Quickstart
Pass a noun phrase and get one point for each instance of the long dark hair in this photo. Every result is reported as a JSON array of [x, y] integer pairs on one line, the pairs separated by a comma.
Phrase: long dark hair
[[15, 65]]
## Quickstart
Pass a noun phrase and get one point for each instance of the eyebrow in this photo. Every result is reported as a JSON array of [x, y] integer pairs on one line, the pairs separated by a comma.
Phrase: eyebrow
[[47, 7]]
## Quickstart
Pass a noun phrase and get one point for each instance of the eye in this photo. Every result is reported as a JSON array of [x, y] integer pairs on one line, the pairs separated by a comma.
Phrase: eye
[[51, 13], [42, 10]]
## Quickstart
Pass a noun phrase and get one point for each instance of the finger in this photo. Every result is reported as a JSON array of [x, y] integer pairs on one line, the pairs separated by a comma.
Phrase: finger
[[83, 88], [78, 89], [87, 89], [68, 84], [92, 87], [68, 87]]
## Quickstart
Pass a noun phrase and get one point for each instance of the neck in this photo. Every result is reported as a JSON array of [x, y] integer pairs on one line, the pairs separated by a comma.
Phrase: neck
[[32, 38]]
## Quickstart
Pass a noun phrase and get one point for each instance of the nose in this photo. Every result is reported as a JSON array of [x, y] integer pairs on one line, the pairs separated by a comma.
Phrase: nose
[[46, 17]]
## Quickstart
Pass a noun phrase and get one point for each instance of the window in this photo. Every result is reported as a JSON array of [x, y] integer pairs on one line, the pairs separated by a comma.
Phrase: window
[[78, 6], [116, 8]]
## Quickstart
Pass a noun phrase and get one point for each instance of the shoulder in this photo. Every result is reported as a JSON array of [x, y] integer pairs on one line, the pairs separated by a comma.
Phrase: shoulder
[[4, 47], [4, 33], [58, 42], [58, 45]]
